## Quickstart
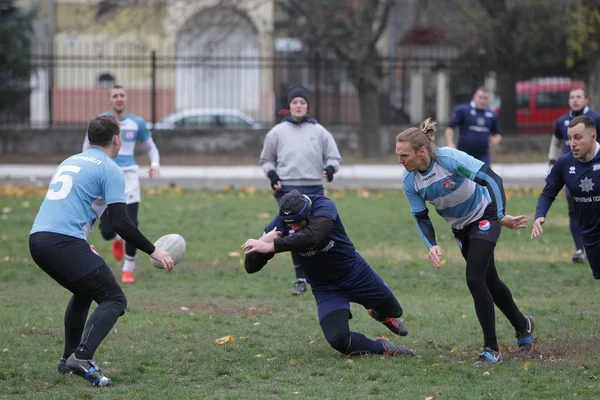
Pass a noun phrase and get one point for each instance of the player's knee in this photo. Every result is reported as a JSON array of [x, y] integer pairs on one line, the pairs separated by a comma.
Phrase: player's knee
[[475, 282], [340, 341], [107, 232], [119, 302]]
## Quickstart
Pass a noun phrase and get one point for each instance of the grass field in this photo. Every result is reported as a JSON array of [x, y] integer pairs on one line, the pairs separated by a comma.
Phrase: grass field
[[163, 347]]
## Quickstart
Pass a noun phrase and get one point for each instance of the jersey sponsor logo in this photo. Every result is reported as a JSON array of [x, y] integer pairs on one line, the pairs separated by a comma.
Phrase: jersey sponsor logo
[[595, 167], [311, 253], [463, 171], [571, 169], [428, 177], [489, 114], [449, 183], [586, 185], [484, 225], [481, 121]]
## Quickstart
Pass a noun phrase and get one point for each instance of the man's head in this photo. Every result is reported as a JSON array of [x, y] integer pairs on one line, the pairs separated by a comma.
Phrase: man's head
[[117, 99], [104, 131], [582, 137], [578, 99], [297, 99], [415, 147], [294, 210], [481, 98]]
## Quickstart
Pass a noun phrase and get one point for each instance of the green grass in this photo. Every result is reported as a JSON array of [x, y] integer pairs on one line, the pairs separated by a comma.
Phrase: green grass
[[163, 347]]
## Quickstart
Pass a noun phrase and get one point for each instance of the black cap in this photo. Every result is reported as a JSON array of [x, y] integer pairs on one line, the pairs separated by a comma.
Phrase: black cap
[[294, 207], [297, 91]]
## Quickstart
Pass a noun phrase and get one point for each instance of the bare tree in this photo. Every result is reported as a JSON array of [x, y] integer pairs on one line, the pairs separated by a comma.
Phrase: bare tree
[[350, 29]]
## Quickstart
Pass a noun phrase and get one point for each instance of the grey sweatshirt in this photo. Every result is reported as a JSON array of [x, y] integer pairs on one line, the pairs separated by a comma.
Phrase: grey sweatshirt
[[299, 152]]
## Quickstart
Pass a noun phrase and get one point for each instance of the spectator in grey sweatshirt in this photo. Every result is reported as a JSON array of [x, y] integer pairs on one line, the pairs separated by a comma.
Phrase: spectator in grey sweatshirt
[[298, 154]]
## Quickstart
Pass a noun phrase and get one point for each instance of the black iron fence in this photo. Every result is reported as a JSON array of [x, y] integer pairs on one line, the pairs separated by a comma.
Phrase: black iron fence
[[71, 88]]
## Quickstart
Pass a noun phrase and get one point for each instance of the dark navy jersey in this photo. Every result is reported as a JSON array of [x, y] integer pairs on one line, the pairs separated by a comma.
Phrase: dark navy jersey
[[562, 124], [583, 182], [334, 259], [475, 127]]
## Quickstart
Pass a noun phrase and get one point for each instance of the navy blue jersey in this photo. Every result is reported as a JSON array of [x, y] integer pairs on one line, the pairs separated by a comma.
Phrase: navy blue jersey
[[475, 127], [562, 124], [583, 182], [333, 260]]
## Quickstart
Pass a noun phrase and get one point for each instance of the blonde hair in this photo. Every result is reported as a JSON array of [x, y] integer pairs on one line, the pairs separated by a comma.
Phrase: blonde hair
[[421, 136]]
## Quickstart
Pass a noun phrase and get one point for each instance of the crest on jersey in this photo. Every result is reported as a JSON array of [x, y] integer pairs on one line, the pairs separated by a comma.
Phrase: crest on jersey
[[567, 122], [595, 167], [129, 135], [449, 183], [572, 169], [484, 225], [586, 185], [480, 121]]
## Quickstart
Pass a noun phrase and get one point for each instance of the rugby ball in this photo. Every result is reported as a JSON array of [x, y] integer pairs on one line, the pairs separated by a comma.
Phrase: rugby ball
[[173, 244]]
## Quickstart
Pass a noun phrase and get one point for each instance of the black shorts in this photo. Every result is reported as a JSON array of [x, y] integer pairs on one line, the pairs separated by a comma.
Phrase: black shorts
[[486, 228], [68, 256]]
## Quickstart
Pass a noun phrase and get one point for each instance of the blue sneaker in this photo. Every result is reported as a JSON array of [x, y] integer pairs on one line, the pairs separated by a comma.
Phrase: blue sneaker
[[526, 340], [488, 357]]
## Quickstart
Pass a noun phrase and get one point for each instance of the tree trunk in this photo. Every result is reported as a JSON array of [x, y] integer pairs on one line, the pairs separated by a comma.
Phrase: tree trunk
[[508, 110], [594, 85], [368, 99]]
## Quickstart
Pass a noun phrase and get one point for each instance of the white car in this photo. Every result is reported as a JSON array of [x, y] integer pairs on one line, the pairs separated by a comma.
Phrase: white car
[[207, 118]]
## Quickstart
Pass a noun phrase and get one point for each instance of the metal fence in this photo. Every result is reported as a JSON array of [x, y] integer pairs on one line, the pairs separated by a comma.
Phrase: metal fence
[[71, 88]]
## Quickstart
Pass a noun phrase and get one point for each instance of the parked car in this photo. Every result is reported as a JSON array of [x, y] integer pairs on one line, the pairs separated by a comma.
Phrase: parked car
[[208, 118], [540, 102]]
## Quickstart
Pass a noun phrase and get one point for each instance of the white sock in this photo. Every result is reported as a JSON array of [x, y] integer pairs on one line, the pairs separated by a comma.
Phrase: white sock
[[129, 264]]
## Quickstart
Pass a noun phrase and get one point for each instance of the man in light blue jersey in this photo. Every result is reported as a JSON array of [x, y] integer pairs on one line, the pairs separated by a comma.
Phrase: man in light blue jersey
[[81, 189], [133, 129], [470, 197]]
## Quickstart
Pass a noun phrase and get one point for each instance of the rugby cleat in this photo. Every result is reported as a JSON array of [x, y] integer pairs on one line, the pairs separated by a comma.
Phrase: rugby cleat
[[62, 367], [396, 325], [579, 257], [390, 349], [299, 287], [488, 357], [127, 277], [118, 249], [526, 340], [88, 370]]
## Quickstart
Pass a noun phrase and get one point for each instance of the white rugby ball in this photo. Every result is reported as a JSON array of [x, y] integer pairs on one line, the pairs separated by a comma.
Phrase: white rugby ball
[[173, 244]]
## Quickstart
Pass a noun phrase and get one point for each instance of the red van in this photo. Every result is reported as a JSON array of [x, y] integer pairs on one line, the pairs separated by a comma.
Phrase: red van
[[541, 101]]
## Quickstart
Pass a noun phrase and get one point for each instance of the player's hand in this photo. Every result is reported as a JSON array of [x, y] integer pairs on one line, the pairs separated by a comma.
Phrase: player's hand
[[435, 256], [537, 227], [512, 222], [164, 258], [276, 186], [153, 172], [258, 246], [271, 235], [495, 140]]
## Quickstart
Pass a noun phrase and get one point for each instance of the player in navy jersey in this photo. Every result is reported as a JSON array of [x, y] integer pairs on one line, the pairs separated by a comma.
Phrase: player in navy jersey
[[83, 186], [478, 126], [470, 197], [579, 171], [134, 129], [310, 227], [578, 103]]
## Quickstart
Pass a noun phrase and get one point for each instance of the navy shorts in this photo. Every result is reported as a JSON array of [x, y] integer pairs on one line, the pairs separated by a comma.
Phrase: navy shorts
[[486, 228], [367, 289], [592, 251]]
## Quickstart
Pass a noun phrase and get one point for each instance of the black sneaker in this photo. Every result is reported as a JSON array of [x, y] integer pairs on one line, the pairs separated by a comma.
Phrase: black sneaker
[[395, 325], [579, 257], [62, 367], [390, 349], [488, 357], [526, 340], [299, 287], [88, 370]]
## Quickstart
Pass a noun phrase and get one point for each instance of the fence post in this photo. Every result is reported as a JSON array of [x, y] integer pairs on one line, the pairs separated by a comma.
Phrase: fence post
[[153, 86], [317, 95], [50, 87]]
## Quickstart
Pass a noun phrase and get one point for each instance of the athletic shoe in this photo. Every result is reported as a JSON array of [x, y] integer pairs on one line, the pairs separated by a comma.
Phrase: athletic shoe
[[390, 349], [396, 325], [118, 249], [127, 277], [62, 366], [579, 257], [88, 370], [299, 287], [488, 357], [526, 340]]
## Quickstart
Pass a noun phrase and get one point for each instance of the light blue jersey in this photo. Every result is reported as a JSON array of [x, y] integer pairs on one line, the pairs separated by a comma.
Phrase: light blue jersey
[[133, 129], [450, 186], [80, 189]]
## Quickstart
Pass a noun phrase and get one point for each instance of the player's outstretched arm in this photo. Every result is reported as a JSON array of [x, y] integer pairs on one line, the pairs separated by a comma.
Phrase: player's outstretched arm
[[514, 222], [537, 227]]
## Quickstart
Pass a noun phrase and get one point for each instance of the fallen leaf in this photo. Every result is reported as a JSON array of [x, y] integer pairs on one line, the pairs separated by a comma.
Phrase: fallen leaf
[[225, 339], [234, 254], [184, 308], [527, 365]]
